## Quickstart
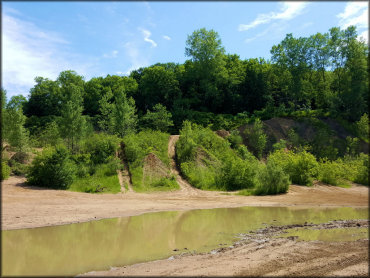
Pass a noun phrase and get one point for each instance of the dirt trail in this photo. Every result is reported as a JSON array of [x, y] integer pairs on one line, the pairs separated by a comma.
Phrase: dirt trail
[[124, 175], [186, 188]]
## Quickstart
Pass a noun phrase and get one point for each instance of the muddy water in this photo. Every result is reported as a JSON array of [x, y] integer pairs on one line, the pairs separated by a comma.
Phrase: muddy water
[[98, 245]]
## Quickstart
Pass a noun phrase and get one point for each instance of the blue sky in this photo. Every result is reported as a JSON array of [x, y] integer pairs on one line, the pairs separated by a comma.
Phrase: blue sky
[[100, 38]]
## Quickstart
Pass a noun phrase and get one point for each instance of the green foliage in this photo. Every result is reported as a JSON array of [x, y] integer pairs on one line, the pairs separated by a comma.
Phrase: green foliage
[[13, 130], [137, 148], [18, 163], [350, 168], [208, 162], [159, 119], [272, 180], [72, 124], [256, 138], [203, 45], [120, 116], [104, 180], [352, 146], [332, 172], [301, 166], [165, 184], [5, 170], [52, 168], [100, 146], [363, 127], [235, 139], [282, 144], [50, 136]]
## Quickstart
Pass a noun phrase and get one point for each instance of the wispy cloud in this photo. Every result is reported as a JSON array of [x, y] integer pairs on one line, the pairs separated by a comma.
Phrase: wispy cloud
[[355, 13], [113, 54], [136, 59], [29, 51], [288, 10], [274, 30], [147, 34], [166, 37]]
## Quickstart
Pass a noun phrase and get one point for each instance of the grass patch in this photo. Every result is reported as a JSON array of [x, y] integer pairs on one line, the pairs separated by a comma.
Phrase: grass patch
[[102, 181]]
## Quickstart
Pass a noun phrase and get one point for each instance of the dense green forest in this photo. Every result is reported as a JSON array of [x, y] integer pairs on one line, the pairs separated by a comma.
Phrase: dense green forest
[[80, 123]]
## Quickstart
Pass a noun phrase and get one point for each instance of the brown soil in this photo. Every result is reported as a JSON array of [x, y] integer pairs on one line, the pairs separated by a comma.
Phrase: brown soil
[[262, 254]]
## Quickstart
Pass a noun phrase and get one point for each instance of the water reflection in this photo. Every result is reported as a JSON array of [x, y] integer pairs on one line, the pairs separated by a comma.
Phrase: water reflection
[[97, 245]]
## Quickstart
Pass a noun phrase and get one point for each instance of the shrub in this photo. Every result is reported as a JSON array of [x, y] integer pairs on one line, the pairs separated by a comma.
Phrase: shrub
[[101, 146], [363, 127], [5, 171], [256, 137], [301, 166], [272, 180], [52, 168], [282, 144], [332, 172], [235, 139], [208, 162]]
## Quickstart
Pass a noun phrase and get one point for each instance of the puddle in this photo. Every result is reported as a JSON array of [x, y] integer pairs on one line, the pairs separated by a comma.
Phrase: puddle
[[98, 245], [336, 234]]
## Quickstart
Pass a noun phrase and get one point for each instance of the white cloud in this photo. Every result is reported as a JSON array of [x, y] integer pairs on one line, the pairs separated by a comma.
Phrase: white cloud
[[147, 34], [288, 10], [113, 54], [355, 13], [275, 30], [27, 53], [166, 37]]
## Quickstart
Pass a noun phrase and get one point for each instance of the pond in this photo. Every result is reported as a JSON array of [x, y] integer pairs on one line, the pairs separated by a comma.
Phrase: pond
[[98, 245]]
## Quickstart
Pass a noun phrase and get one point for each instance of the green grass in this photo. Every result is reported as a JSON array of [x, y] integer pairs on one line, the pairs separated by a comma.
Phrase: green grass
[[102, 181]]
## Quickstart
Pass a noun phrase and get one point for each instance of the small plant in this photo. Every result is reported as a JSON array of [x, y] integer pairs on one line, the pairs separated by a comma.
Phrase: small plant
[[5, 170], [256, 137]]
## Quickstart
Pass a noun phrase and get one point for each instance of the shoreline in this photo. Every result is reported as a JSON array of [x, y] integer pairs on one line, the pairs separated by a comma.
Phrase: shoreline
[[31, 207]]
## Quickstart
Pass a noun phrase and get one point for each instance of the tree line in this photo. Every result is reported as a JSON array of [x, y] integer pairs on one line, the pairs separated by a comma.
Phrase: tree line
[[324, 72]]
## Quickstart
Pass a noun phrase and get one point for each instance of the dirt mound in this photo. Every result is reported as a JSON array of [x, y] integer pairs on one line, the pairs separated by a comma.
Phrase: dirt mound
[[154, 169], [222, 133]]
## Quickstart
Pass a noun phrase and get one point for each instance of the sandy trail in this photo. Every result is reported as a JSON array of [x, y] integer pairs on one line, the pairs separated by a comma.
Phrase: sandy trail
[[185, 187]]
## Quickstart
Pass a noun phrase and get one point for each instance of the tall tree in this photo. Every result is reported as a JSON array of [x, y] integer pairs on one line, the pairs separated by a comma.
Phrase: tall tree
[[72, 122], [13, 130]]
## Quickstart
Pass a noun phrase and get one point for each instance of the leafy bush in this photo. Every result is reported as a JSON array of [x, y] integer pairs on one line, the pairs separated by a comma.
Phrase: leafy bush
[[101, 147], [301, 167], [5, 170], [363, 127], [332, 172], [52, 168], [356, 168], [256, 138], [272, 180], [282, 144], [208, 162], [235, 139]]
